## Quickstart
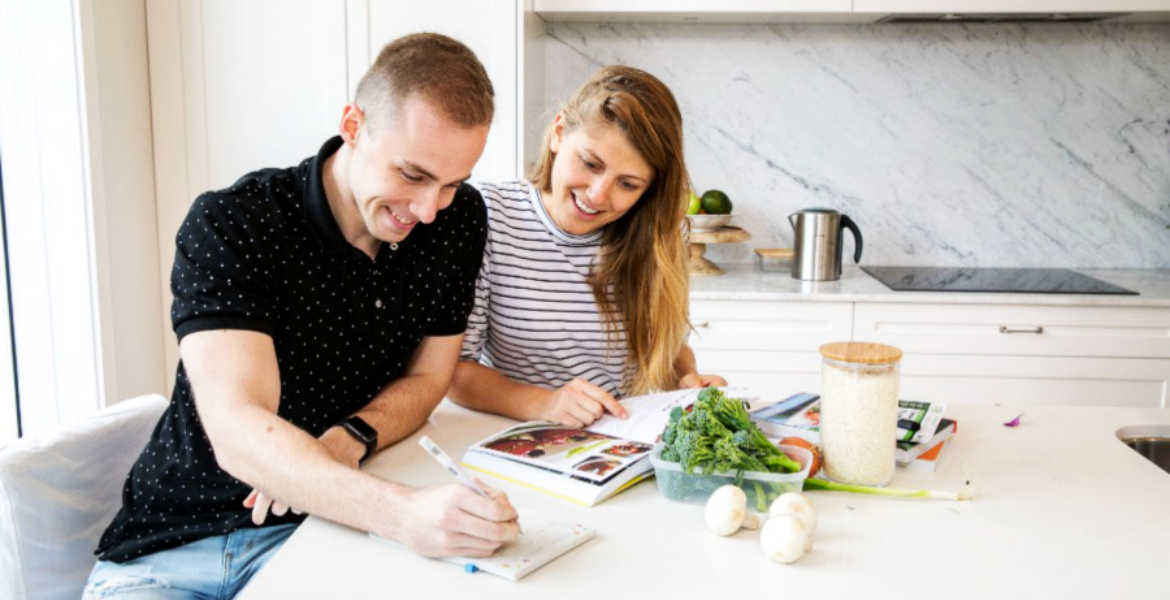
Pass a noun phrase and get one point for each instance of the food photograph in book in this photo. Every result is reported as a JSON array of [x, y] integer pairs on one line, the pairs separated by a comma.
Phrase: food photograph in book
[[577, 453]]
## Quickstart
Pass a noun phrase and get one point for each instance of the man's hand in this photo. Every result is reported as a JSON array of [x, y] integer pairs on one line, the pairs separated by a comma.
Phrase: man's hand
[[579, 403], [452, 520], [694, 380], [340, 444]]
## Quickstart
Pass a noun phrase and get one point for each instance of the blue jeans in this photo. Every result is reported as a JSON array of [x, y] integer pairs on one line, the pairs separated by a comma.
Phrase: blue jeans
[[214, 568]]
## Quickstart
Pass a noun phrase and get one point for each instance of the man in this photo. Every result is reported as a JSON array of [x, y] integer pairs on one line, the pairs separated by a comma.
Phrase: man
[[320, 312]]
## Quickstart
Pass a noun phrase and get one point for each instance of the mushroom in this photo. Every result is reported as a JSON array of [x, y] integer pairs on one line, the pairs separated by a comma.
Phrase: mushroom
[[784, 539], [798, 507], [795, 504], [727, 511]]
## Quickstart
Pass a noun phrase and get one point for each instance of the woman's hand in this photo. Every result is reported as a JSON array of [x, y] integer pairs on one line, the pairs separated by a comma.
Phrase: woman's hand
[[694, 380], [579, 403]]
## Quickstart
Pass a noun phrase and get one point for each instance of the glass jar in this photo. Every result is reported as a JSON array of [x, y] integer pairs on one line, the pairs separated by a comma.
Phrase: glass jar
[[859, 411]]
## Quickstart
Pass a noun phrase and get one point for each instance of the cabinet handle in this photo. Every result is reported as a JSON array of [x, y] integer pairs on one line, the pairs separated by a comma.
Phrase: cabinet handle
[[703, 325], [1036, 330]]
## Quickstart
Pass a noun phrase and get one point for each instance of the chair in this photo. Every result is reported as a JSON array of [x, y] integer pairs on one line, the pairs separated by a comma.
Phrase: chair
[[58, 492]]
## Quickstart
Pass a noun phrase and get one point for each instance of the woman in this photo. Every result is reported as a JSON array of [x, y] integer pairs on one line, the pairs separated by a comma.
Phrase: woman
[[582, 297]]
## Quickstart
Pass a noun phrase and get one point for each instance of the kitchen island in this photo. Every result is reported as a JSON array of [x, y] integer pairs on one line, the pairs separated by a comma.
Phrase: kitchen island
[[1065, 511]]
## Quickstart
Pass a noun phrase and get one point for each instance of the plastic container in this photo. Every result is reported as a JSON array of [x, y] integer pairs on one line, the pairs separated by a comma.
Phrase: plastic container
[[859, 411], [680, 486]]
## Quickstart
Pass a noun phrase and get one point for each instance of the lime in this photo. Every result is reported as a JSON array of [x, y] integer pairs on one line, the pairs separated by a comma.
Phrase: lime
[[716, 202], [695, 204]]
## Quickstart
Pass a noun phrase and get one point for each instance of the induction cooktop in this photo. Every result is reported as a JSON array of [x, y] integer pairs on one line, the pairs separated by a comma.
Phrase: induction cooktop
[[994, 280]]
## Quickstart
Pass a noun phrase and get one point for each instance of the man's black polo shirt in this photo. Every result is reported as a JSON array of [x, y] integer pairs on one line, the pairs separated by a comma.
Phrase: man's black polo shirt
[[267, 255]]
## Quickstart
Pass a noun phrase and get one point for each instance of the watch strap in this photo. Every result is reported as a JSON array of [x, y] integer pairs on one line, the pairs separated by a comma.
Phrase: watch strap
[[362, 432]]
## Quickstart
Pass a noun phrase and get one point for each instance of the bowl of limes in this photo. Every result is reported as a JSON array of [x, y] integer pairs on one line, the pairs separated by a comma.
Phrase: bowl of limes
[[708, 212]]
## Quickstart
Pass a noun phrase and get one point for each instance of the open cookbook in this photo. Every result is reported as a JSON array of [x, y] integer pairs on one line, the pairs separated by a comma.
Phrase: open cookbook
[[587, 465]]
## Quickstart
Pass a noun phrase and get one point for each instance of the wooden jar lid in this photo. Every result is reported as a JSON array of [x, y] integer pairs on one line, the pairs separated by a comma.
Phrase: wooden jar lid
[[865, 353]]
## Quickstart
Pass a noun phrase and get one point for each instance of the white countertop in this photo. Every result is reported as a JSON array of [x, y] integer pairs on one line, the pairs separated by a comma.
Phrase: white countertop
[[1066, 511], [746, 282]]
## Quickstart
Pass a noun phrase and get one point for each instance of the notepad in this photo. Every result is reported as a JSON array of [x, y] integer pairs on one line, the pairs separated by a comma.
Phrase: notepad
[[544, 539]]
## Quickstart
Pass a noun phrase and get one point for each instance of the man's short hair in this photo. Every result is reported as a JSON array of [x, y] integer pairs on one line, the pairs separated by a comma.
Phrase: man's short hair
[[438, 69]]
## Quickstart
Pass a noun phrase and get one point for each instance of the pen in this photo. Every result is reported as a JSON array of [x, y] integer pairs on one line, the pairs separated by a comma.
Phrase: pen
[[435, 451]]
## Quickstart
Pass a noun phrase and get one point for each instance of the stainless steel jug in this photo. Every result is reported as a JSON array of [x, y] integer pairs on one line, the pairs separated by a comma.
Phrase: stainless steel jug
[[818, 247]]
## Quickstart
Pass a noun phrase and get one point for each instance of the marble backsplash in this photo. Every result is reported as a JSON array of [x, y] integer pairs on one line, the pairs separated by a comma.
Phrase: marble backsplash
[[987, 145]]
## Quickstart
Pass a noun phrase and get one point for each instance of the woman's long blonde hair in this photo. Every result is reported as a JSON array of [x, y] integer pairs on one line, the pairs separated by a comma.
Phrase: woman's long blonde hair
[[641, 283]]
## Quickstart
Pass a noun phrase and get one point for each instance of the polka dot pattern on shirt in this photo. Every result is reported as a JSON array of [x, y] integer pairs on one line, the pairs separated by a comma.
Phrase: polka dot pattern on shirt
[[266, 255]]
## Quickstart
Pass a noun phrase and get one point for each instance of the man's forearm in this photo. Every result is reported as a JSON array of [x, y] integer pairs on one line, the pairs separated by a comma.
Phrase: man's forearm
[[403, 406], [290, 466]]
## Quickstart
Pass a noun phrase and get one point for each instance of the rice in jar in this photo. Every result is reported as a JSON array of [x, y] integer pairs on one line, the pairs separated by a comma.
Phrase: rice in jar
[[859, 411]]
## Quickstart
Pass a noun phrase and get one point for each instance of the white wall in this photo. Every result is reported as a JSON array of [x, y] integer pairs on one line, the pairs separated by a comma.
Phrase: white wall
[[229, 97], [125, 225]]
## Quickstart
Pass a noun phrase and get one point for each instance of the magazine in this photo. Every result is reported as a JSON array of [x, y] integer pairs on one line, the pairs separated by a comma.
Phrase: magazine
[[582, 465], [918, 420], [928, 462], [798, 415], [908, 451], [921, 425]]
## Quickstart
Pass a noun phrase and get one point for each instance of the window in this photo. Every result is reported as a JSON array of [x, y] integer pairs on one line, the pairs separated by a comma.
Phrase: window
[[9, 403]]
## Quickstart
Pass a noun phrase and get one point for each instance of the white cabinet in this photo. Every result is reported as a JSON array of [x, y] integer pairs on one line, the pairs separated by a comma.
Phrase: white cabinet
[[1035, 380], [767, 345], [1005, 330], [960, 354], [1008, 6], [489, 27], [1043, 355]]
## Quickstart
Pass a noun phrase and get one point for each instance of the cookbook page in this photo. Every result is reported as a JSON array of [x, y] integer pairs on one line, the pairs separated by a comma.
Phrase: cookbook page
[[578, 453]]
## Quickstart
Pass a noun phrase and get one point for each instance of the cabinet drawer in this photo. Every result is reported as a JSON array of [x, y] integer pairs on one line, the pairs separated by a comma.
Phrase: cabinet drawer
[[773, 326], [1135, 332], [740, 361], [1035, 380], [773, 375]]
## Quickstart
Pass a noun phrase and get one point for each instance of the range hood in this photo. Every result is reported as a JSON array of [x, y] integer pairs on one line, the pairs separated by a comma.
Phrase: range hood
[[1000, 17]]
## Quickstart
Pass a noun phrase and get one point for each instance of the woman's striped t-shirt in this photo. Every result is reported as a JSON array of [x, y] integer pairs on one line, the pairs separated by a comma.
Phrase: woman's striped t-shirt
[[535, 319]]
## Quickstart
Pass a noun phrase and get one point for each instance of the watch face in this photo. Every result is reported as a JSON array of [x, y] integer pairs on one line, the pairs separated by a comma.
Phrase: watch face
[[361, 429]]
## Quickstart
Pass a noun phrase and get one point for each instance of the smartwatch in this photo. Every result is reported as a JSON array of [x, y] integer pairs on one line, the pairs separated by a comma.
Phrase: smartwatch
[[359, 429]]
